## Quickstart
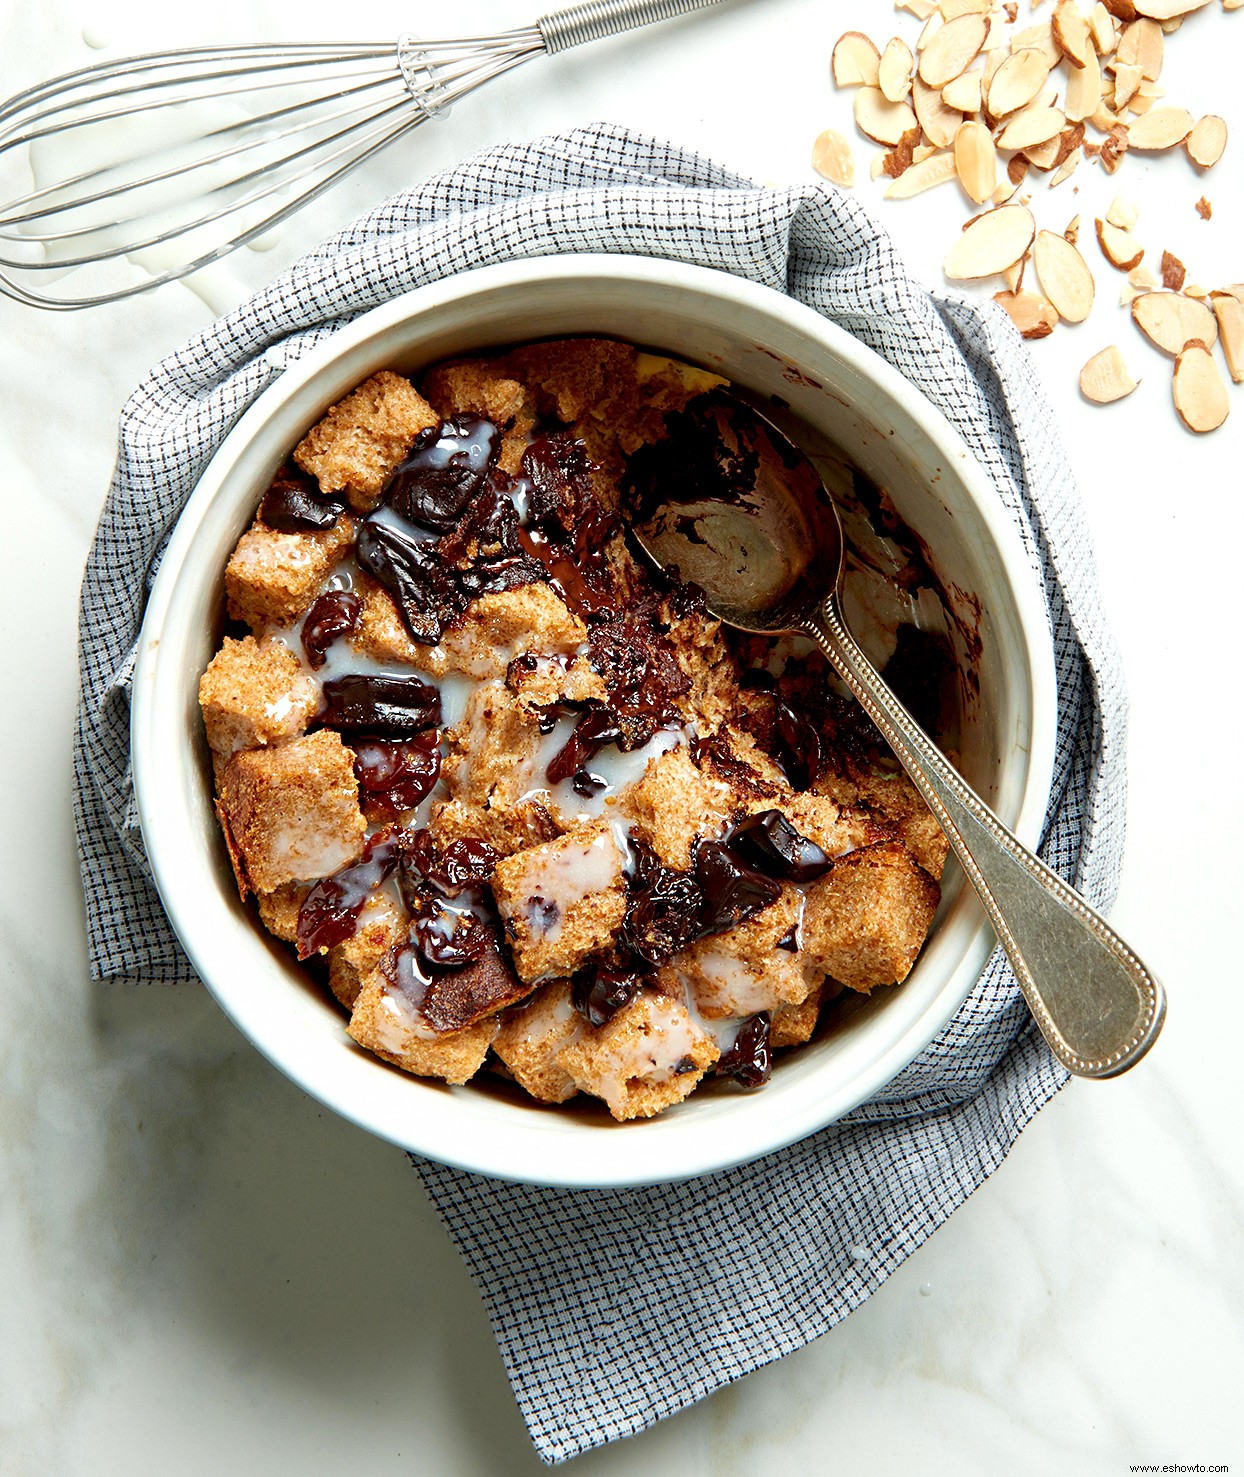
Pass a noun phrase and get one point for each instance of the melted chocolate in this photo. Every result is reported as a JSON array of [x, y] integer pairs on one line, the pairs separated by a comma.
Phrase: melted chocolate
[[294, 503], [750, 1060], [397, 707], [394, 775], [598, 994], [333, 614], [441, 474], [732, 891], [769, 842], [330, 911]]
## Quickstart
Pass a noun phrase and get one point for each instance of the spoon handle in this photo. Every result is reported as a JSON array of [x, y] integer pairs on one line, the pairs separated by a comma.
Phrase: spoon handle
[[1097, 1005]]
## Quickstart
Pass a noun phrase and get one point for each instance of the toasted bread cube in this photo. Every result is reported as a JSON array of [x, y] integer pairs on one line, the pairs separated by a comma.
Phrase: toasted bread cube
[[386, 1023], [533, 1036], [750, 967], [477, 387], [675, 803], [505, 623], [506, 828], [490, 755], [835, 828], [272, 577], [562, 902], [253, 694], [866, 920], [278, 910], [379, 927], [541, 681], [792, 1025], [380, 635], [292, 811], [648, 1056], [361, 440], [895, 801]]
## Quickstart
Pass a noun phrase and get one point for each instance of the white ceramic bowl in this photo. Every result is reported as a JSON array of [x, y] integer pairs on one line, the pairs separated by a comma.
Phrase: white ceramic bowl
[[758, 339]]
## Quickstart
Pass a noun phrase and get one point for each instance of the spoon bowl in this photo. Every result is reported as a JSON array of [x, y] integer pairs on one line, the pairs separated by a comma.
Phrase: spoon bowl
[[730, 501]]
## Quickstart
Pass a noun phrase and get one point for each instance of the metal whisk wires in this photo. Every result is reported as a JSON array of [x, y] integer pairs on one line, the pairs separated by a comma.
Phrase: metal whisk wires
[[125, 175]]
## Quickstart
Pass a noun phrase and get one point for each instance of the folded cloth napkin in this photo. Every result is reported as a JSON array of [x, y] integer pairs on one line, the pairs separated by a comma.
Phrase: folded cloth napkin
[[613, 1309]]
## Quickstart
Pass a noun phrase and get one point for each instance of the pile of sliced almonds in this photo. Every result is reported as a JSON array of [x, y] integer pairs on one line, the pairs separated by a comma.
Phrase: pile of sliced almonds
[[985, 102]]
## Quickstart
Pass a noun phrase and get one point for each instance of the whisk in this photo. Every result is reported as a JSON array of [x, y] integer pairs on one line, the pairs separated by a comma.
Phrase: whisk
[[146, 169]]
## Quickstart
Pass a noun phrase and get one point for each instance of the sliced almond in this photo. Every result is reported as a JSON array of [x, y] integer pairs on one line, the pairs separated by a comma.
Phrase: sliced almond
[[1160, 128], [879, 119], [1030, 313], [952, 49], [1167, 10], [1084, 89], [1071, 32], [950, 9], [976, 161], [855, 61], [1067, 168], [1120, 248], [1014, 274], [1127, 78], [1200, 395], [1142, 279], [1044, 156], [1106, 378], [921, 9], [877, 166], [1122, 10], [1038, 38], [1229, 312], [1173, 272], [1206, 141], [1017, 81], [1065, 276], [1194, 289], [1142, 43], [1232, 4], [832, 158], [1122, 213], [1072, 233], [1172, 321], [939, 122], [1102, 29], [930, 29], [894, 71], [964, 93], [1031, 126], [990, 243], [1113, 149], [935, 169]]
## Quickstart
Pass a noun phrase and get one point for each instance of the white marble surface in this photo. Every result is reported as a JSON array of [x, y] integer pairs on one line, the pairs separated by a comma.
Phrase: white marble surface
[[205, 1273]]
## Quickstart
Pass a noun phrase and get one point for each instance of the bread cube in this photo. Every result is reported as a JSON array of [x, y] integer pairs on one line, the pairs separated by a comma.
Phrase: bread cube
[[751, 967], [503, 624], [895, 801], [792, 1025], [278, 910], [866, 920], [478, 387], [648, 1056], [380, 925], [386, 1023], [272, 577], [506, 828], [532, 1038], [292, 811], [380, 634], [362, 439], [562, 902], [253, 694], [675, 803], [541, 681]]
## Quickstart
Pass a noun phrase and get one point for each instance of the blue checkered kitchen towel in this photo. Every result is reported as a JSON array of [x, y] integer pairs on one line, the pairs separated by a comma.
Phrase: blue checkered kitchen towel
[[613, 1309]]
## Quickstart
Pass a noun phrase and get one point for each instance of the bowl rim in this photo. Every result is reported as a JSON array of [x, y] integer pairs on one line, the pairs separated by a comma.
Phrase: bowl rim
[[485, 1153]]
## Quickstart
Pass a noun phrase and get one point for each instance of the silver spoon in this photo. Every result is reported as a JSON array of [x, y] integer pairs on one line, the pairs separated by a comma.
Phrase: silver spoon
[[754, 526]]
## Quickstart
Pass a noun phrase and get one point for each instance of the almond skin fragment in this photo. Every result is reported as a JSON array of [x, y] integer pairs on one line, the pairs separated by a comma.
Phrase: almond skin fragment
[[1172, 322], [1065, 276], [1230, 314], [951, 50], [832, 158], [1030, 313], [1173, 273], [1206, 141], [1119, 247], [1160, 128], [1106, 378], [976, 161], [1200, 395], [855, 61], [990, 243], [879, 119], [894, 73]]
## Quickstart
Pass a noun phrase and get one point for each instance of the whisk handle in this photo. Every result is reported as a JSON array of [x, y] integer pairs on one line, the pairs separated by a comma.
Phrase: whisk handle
[[597, 18]]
